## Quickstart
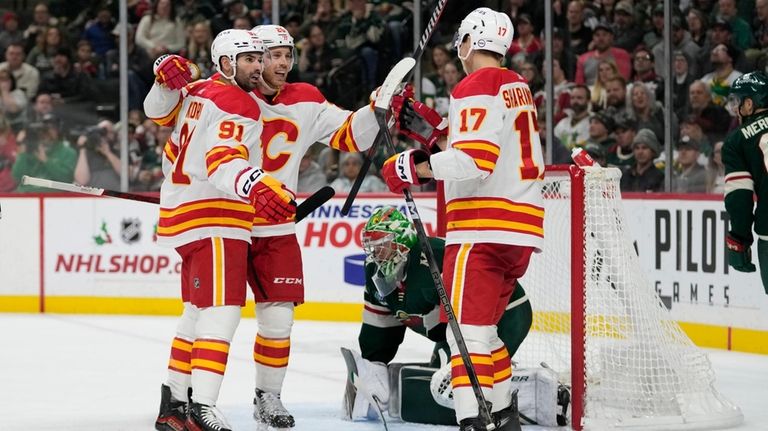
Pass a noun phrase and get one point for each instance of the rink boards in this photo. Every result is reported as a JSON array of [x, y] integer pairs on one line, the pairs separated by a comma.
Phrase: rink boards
[[90, 255]]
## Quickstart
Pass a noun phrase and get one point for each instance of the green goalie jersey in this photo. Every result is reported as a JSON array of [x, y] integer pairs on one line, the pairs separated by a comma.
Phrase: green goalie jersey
[[745, 156], [415, 304]]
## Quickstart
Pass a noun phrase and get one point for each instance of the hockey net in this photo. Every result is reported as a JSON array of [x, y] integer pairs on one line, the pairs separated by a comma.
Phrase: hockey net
[[599, 323]]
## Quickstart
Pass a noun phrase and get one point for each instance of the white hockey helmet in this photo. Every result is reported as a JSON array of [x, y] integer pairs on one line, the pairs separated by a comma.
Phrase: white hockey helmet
[[488, 30], [275, 36], [231, 43]]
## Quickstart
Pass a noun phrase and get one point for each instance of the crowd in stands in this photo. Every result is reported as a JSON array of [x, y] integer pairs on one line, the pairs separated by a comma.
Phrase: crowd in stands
[[59, 79]]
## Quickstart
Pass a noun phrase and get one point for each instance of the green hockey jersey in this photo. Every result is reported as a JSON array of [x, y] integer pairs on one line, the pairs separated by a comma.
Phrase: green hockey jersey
[[745, 156], [415, 304]]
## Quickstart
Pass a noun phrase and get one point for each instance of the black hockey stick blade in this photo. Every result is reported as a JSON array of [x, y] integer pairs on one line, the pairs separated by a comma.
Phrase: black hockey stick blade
[[314, 202]]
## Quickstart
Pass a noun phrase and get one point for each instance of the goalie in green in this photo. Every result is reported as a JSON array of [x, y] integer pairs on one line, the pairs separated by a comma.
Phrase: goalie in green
[[745, 156], [399, 294]]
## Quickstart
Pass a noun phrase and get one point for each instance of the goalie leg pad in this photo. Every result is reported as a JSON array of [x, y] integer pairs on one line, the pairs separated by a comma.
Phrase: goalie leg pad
[[541, 399], [416, 401], [355, 406]]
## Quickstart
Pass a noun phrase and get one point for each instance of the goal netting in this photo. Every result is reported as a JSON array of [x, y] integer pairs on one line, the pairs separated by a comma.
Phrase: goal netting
[[600, 324]]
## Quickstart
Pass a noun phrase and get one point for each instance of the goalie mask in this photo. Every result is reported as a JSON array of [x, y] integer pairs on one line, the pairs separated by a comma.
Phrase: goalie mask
[[487, 30], [387, 239]]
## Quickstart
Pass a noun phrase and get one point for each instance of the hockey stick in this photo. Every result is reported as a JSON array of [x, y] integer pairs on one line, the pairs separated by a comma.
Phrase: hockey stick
[[484, 409], [85, 190], [433, 20], [313, 202]]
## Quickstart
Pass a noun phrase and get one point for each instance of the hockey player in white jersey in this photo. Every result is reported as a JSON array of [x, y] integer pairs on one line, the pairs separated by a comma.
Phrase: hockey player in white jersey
[[492, 167], [210, 196], [295, 116]]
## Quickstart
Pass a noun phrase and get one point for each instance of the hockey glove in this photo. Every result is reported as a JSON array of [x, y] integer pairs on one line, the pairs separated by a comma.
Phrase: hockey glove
[[175, 71], [399, 171], [399, 99], [423, 124], [271, 199], [739, 254], [372, 380]]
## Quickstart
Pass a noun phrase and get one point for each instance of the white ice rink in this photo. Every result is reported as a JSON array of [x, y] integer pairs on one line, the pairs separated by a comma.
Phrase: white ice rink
[[72, 372]]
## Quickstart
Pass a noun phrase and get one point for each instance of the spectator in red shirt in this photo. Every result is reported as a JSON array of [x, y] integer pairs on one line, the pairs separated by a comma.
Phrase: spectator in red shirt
[[602, 39], [525, 41]]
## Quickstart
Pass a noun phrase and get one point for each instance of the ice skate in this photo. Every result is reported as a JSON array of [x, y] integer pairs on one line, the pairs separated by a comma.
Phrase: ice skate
[[206, 418], [173, 413], [508, 419], [269, 411]]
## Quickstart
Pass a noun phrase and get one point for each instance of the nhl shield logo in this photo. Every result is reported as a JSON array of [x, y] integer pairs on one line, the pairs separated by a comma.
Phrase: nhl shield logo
[[130, 230]]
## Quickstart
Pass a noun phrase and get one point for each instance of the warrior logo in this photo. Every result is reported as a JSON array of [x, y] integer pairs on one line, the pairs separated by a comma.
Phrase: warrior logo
[[130, 230]]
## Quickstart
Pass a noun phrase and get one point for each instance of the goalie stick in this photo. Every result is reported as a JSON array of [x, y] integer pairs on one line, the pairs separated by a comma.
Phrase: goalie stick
[[433, 20], [483, 406], [313, 202]]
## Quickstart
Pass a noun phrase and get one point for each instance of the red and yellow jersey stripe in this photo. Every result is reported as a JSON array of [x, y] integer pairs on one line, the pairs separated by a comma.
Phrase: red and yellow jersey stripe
[[171, 150], [344, 139], [223, 154], [468, 214], [169, 120], [205, 213], [484, 153]]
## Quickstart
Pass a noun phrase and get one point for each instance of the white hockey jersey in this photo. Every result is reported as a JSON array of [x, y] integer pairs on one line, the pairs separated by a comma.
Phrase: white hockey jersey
[[293, 119], [216, 128], [493, 165]]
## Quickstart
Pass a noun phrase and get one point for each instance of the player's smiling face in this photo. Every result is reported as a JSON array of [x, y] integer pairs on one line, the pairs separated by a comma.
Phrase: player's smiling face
[[281, 60]]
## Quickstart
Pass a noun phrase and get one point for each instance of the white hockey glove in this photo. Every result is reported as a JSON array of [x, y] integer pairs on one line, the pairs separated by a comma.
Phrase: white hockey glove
[[372, 380]]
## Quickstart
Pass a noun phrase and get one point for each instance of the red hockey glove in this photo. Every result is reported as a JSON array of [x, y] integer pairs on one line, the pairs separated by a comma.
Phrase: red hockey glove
[[399, 99], [271, 199], [399, 171], [739, 254], [175, 71], [423, 124]]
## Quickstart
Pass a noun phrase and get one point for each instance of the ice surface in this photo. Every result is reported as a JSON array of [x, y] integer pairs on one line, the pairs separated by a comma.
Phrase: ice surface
[[77, 372]]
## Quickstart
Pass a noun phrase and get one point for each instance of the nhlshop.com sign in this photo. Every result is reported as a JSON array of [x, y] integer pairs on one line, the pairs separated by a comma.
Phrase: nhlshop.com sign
[[106, 247]]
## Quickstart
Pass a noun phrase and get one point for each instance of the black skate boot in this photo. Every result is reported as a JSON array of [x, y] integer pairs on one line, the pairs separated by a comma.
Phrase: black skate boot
[[206, 418], [269, 410], [508, 419], [173, 413]]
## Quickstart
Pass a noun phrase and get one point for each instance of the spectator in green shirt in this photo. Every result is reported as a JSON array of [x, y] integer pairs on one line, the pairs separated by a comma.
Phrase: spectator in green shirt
[[43, 153]]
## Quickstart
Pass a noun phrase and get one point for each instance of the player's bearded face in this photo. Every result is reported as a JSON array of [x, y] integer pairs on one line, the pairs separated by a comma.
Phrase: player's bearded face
[[280, 64], [249, 69]]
